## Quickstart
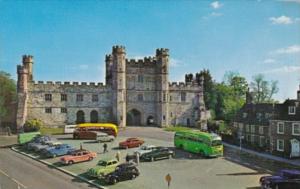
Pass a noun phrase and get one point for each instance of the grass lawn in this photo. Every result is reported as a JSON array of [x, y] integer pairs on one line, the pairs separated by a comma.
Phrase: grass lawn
[[51, 131], [177, 128]]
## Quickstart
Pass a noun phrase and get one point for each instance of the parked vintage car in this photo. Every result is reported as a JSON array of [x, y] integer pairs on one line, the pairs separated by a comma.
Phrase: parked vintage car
[[45, 144], [284, 179], [145, 149], [131, 143], [159, 153], [78, 156], [124, 171], [103, 137], [103, 168], [59, 150], [37, 140]]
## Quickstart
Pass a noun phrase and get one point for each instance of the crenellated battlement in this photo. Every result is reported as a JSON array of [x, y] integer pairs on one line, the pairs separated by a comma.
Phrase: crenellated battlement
[[118, 49], [147, 61], [184, 86], [27, 59], [162, 52], [70, 84], [108, 58]]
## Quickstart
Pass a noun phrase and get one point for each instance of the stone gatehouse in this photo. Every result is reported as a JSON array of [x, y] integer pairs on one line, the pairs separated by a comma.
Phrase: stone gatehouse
[[136, 92]]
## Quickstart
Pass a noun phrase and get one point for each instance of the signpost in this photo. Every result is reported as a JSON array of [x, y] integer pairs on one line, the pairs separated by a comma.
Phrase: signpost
[[168, 179], [241, 138]]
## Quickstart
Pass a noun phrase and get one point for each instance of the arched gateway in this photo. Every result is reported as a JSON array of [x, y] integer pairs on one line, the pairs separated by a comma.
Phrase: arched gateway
[[133, 118]]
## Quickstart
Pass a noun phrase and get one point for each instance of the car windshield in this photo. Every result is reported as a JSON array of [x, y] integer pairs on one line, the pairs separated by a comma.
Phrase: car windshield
[[102, 163], [144, 148], [216, 143]]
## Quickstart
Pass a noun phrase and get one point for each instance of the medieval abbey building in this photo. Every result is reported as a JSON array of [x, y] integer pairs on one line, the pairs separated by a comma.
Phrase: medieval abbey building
[[136, 92]]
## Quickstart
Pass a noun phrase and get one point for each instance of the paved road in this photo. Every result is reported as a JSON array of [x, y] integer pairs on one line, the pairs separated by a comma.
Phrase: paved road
[[15, 169]]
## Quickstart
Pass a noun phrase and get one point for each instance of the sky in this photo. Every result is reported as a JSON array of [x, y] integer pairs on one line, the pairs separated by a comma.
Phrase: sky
[[69, 39]]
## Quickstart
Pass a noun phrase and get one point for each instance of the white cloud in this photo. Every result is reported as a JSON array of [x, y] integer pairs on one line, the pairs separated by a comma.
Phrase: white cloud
[[284, 69], [285, 20], [216, 14], [291, 1], [175, 63], [288, 50], [269, 61], [216, 5], [83, 67]]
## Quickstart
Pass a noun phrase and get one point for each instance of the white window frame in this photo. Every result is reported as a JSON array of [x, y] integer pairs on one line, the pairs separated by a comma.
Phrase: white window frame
[[252, 128], [278, 127], [292, 108], [293, 129], [277, 145], [261, 130], [248, 128], [262, 138]]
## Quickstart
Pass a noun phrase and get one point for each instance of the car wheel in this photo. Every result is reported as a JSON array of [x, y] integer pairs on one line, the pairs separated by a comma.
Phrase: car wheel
[[152, 159], [133, 176], [70, 162], [90, 158]]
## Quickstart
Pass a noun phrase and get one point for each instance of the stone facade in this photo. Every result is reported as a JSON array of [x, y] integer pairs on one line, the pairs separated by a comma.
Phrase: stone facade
[[271, 127], [137, 92]]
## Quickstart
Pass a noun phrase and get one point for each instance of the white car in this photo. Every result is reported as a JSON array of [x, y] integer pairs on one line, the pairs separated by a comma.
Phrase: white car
[[145, 149], [103, 137]]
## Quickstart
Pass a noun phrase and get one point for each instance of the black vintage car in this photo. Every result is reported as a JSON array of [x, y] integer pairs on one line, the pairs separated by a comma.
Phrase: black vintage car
[[284, 179], [124, 171], [159, 153]]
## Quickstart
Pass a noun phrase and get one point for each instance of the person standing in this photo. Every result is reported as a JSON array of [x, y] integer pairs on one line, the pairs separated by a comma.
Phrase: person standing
[[118, 154], [105, 148]]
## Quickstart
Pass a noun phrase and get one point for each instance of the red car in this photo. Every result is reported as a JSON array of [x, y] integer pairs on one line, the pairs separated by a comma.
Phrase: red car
[[78, 156], [131, 143]]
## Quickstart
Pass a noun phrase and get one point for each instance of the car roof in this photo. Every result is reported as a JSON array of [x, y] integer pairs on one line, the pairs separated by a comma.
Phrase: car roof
[[149, 146], [290, 171], [108, 159]]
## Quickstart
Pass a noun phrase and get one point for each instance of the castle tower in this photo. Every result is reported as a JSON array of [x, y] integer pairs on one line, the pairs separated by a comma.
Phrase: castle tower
[[162, 87], [28, 64], [108, 66], [119, 85], [24, 76]]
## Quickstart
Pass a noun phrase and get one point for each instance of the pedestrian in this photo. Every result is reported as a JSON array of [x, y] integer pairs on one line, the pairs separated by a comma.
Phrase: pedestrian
[[118, 154], [127, 158], [105, 148], [80, 146], [137, 158]]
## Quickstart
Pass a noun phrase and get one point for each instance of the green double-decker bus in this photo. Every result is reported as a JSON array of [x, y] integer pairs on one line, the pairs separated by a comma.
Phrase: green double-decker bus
[[206, 144]]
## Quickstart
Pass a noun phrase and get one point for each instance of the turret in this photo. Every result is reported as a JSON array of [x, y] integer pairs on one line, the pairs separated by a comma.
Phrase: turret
[[109, 67], [22, 84], [162, 57], [28, 64], [119, 84], [162, 86]]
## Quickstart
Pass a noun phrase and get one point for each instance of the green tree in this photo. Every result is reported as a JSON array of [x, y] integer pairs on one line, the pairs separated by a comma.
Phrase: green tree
[[237, 82], [32, 125], [8, 93], [262, 89]]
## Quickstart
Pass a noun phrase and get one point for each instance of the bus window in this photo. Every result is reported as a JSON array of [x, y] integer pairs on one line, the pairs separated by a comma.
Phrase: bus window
[[216, 143]]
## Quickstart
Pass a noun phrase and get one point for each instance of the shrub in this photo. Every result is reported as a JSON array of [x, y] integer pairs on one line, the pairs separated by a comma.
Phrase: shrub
[[32, 125]]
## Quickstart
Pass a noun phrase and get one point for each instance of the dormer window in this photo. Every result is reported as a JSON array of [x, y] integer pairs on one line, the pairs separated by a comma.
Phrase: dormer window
[[292, 110]]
